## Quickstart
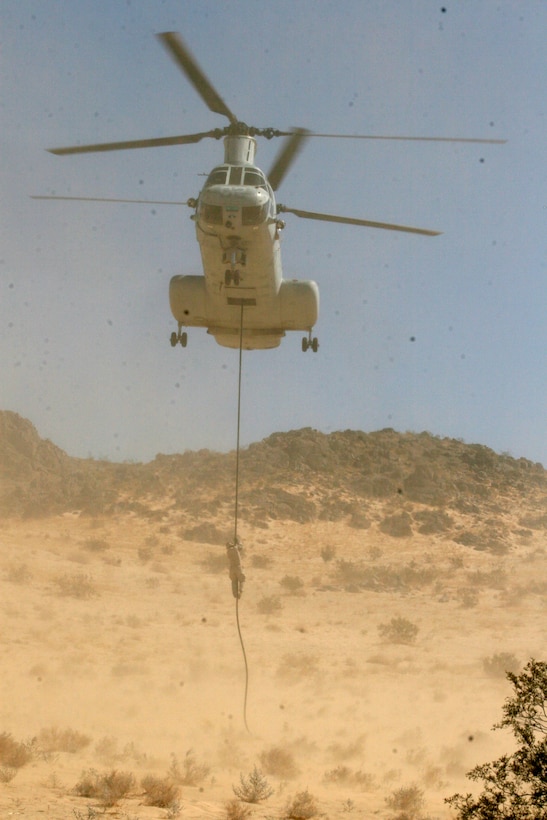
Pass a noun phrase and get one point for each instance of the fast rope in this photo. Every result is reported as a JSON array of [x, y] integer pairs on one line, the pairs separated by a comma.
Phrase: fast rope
[[237, 576]]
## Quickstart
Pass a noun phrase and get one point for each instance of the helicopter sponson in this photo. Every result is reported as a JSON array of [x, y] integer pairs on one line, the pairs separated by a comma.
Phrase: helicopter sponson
[[294, 305]]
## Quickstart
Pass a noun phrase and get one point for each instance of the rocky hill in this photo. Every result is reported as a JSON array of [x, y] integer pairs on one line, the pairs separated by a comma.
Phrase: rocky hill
[[402, 483]]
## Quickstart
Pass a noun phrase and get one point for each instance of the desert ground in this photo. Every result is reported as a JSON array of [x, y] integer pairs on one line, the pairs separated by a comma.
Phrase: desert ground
[[376, 662]]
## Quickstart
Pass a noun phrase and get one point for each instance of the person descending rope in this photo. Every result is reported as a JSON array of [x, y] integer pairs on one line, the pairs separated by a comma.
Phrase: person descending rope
[[237, 576]]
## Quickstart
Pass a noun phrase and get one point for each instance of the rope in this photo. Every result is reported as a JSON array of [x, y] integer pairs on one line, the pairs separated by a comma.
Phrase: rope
[[236, 512], [246, 667], [236, 509]]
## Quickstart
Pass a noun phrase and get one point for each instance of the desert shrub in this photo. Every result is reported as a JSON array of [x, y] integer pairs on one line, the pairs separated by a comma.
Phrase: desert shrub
[[279, 762], [297, 665], [215, 562], [53, 739], [340, 775], [383, 577], [96, 544], [433, 521], [7, 773], [269, 605], [515, 786], [205, 533], [18, 574], [468, 597], [486, 539], [496, 578], [107, 788], [158, 791], [13, 754], [397, 525], [408, 801], [191, 773], [107, 749], [497, 666], [359, 521], [260, 562], [398, 630], [345, 776], [535, 522], [344, 751], [253, 788], [234, 810], [75, 586], [328, 553], [292, 584], [302, 806]]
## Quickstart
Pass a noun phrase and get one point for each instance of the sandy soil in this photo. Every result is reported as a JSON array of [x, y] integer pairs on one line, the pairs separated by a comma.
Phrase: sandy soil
[[116, 629]]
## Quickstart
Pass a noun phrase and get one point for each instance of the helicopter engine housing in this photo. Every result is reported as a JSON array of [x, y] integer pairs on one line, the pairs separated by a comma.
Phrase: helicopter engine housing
[[299, 304], [188, 300]]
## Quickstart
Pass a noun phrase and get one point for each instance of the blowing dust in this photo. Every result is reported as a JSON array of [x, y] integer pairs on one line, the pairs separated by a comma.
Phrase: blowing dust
[[119, 631]]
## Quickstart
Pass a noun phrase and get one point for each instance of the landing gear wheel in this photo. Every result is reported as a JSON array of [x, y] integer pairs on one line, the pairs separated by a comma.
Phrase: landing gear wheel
[[305, 344], [227, 278], [315, 344], [179, 337]]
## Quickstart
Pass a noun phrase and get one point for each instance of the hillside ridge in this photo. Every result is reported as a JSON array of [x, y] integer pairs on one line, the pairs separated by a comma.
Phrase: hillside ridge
[[420, 482]]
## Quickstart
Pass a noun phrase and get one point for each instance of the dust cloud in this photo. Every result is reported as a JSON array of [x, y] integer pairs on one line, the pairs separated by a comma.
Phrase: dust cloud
[[376, 659]]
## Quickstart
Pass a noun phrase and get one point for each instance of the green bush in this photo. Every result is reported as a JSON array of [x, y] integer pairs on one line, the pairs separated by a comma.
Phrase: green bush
[[515, 786]]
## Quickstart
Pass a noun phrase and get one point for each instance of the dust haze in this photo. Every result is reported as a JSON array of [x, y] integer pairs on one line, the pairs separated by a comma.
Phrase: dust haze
[[391, 581]]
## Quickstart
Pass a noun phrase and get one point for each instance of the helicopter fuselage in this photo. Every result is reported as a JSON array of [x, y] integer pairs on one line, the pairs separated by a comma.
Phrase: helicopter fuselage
[[242, 296]]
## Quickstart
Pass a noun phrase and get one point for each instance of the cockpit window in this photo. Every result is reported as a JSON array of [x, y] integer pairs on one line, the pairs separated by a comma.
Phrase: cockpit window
[[255, 178], [212, 214], [217, 176], [236, 173], [254, 214]]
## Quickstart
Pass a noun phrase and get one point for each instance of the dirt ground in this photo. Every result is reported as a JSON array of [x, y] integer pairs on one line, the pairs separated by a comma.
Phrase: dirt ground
[[117, 632]]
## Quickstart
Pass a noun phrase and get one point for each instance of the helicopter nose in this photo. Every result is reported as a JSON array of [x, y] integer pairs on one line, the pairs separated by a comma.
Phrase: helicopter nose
[[233, 206]]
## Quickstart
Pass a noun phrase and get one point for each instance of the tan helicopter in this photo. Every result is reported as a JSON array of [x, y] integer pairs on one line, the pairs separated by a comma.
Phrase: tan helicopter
[[242, 298]]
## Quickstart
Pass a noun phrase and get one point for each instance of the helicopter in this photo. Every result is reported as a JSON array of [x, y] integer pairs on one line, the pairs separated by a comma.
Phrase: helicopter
[[242, 298]]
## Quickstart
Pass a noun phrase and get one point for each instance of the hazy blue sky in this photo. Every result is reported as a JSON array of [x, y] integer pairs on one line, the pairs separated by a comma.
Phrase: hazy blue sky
[[84, 314]]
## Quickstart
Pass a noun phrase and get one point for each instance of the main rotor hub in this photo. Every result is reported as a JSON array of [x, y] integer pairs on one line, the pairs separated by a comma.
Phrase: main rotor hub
[[239, 150]]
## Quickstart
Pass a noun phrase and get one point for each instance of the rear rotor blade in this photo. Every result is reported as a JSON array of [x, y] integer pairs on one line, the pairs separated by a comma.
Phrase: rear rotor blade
[[157, 142], [407, 139], [346, 220], [289, 151], [187, 62]]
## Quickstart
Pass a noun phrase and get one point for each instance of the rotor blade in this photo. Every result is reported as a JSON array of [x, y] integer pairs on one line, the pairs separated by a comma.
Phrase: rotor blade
[[156, 142], [408, 139], [346, 220], [287, 155], [108, 199], [187, 62]]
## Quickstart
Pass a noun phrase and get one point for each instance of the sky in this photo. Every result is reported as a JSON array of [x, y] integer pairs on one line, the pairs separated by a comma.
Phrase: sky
[[445, 334]]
